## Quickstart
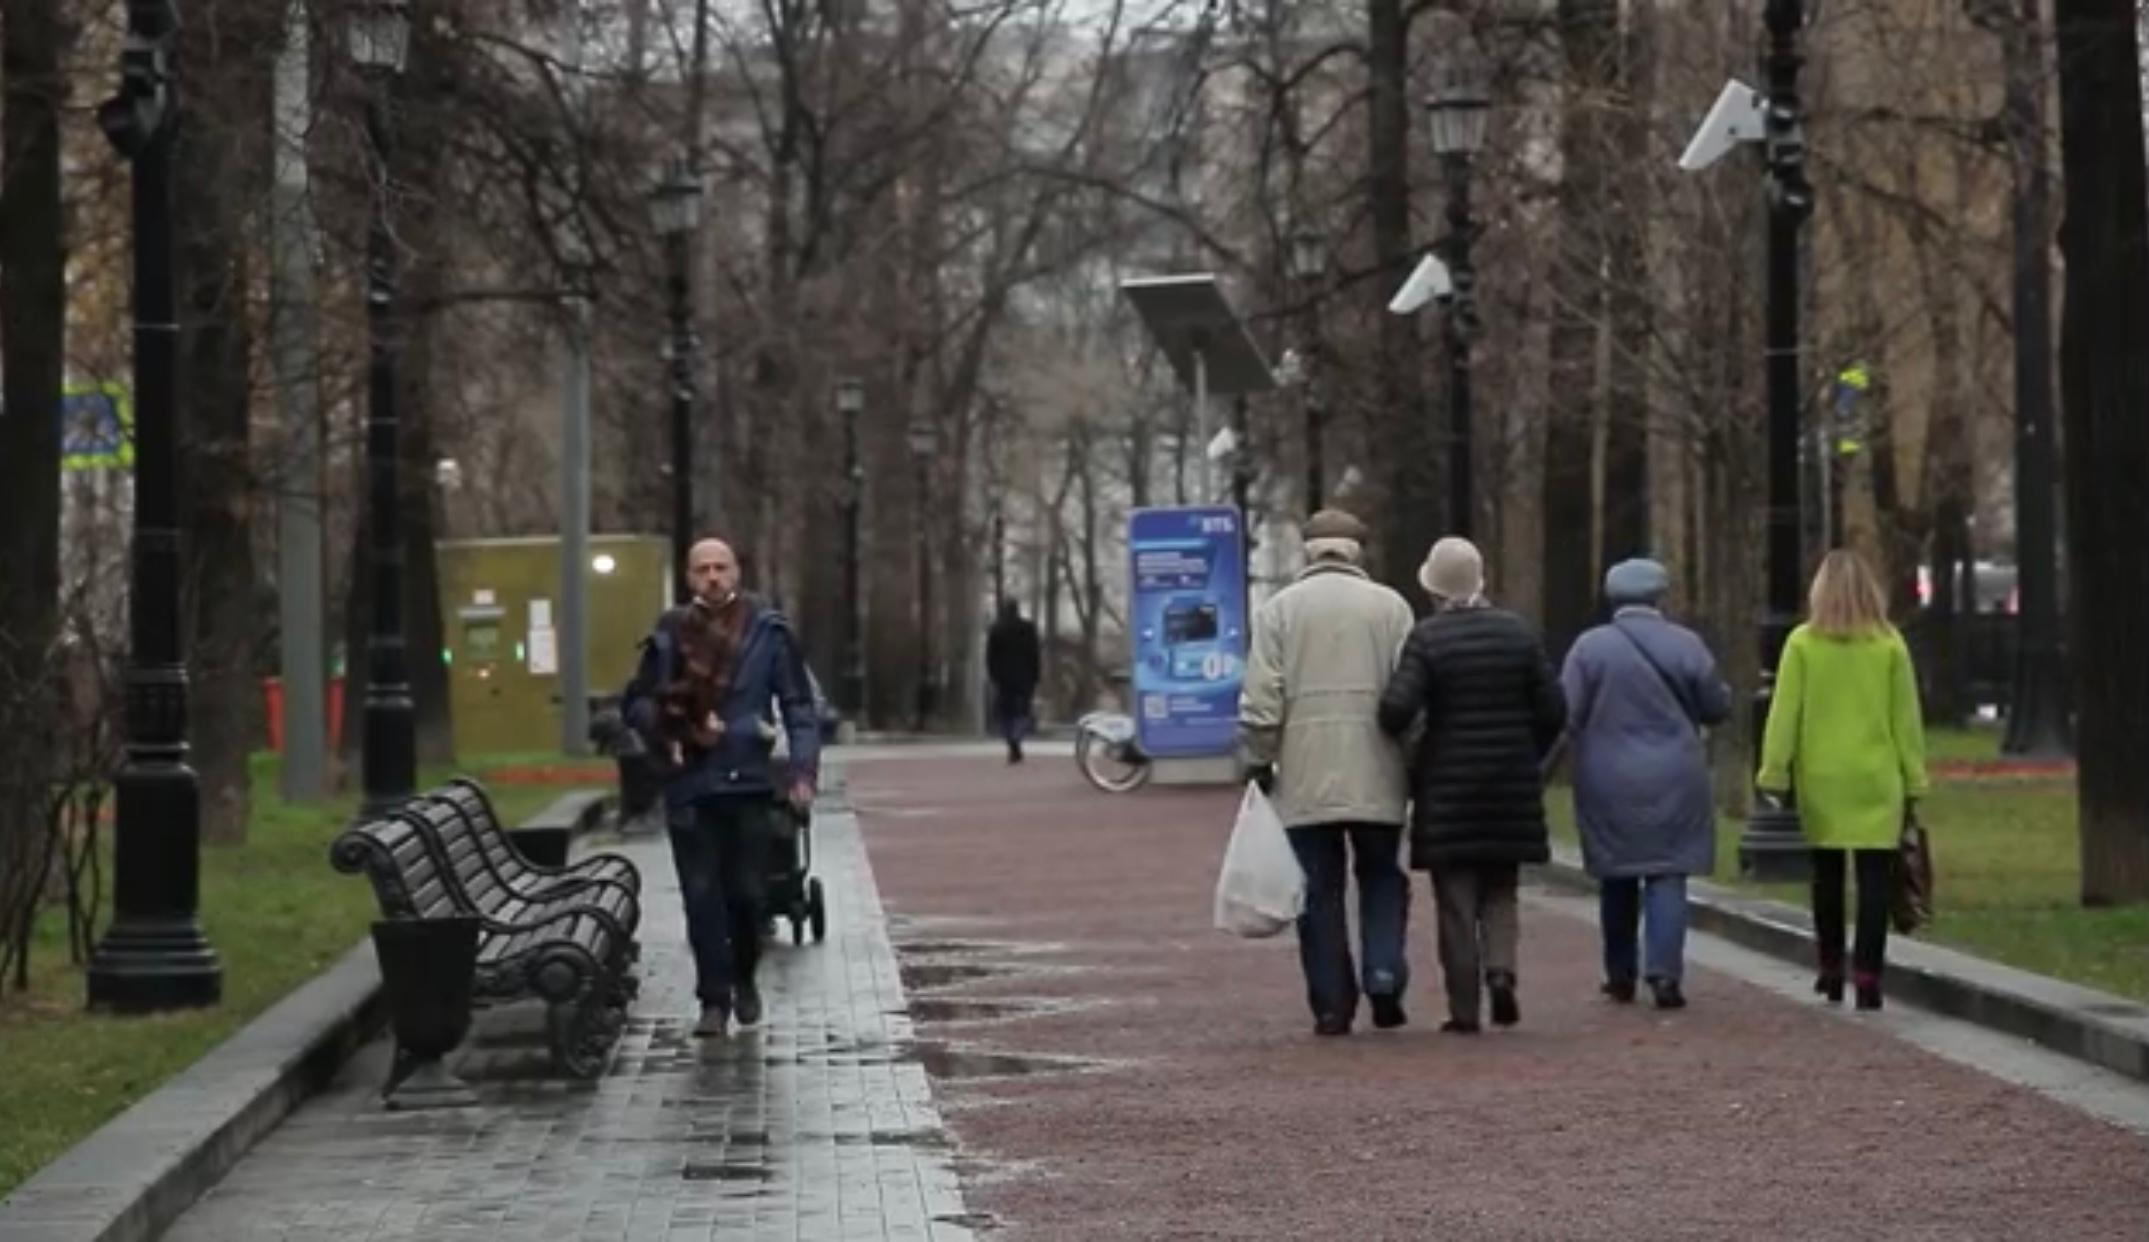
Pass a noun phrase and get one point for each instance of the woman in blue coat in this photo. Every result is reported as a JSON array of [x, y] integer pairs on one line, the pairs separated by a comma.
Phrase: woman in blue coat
[[1640, 690]]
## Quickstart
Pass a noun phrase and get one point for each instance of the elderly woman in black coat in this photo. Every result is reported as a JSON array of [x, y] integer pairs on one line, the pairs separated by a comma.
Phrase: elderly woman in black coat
[[1477, 677]]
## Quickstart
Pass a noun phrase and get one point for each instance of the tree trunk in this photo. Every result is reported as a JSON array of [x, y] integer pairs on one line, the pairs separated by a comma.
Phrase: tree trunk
[[1950, 474], [1412, 520], [222, 139], [1625, 520], [33, 359], [2104, 391], [1589, 37]]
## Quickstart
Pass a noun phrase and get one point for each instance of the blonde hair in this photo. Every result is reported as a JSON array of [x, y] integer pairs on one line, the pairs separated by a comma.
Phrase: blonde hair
[[1846, 600]]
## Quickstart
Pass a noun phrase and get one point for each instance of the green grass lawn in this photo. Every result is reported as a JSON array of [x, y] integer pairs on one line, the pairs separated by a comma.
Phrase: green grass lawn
[[2007, 873], [277, 913]]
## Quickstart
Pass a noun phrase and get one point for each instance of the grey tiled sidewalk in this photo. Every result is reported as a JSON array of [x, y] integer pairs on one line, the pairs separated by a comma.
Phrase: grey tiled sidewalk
[[816, 1126]]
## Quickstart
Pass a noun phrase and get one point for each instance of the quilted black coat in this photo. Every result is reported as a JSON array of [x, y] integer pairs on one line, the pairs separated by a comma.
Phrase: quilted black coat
[[1492, 709]]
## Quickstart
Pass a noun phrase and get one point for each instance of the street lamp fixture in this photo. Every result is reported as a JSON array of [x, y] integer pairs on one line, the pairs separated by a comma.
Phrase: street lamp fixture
[[154, 956], [1309, 256], [378, 35], [676, 205], [1461, 104]]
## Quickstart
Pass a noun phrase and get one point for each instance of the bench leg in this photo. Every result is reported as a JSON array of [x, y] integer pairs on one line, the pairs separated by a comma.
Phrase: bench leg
[[583, 1030], [426, 969]]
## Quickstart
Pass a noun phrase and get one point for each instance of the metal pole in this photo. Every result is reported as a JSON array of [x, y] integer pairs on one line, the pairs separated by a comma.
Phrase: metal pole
[[154, 956], [1201, 423], [391, 751], [1462, 331], [925, 602], [1242, 484], [1316, 414], [2037, 721], [854, 603], [682, 358], [300, 606], [1771, 848], [572, 632]]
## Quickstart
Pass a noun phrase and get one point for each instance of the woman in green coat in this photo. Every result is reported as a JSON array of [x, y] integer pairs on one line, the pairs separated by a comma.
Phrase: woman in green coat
[[1846, 733]]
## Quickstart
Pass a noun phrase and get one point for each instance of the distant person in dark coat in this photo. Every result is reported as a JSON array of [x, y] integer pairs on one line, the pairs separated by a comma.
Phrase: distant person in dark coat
[[1639, 692], [1014, 661], [1477, 678]]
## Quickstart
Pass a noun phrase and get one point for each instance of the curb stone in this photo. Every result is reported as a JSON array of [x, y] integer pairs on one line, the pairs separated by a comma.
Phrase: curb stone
[[128, 1181], [2097, 1027]]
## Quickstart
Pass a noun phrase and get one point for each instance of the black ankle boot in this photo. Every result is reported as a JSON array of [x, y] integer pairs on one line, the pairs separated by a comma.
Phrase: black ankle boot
[[1868, 991], [1506, 1010], [1620, 990]]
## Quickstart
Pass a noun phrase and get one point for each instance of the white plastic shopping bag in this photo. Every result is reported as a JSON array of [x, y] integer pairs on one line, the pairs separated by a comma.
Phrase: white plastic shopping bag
[[1262, 889]]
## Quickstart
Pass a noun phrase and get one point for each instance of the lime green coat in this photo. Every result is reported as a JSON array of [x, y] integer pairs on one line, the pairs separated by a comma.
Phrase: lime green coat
[[1847, 733]]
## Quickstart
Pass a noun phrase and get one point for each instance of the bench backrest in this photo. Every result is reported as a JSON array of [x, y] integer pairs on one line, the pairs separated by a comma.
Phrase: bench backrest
[[469, 800], [463, 852], [407, 877]]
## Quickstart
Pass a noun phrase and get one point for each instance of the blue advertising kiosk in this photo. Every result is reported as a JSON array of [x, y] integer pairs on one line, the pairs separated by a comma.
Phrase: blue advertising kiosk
[[1189, 624], [1189, 630]]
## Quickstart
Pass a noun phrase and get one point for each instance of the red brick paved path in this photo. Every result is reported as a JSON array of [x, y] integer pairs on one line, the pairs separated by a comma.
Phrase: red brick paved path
[[1218, 1114]]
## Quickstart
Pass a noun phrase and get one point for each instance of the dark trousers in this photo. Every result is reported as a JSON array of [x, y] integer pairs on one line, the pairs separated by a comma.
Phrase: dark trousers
[[1013, 709], [1324, 938], [1625, 904], [1874, 877], [1480, 929], [720, 848]]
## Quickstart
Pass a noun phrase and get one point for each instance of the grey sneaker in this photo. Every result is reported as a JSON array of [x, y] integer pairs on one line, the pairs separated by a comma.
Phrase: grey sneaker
[[715, 1020]]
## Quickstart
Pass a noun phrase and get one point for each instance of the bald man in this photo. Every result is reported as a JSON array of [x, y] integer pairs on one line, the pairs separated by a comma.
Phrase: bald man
[[713, 677]]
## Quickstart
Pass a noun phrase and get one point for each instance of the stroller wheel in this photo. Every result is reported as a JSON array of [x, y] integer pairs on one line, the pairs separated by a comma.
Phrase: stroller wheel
[[817, 909], [798, 930]]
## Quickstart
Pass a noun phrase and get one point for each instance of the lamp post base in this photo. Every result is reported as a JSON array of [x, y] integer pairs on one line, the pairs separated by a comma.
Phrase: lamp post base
[[1772, 849], [152, 965]]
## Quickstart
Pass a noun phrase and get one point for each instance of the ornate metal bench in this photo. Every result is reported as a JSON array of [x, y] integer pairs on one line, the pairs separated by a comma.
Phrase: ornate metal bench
[[568, 941]]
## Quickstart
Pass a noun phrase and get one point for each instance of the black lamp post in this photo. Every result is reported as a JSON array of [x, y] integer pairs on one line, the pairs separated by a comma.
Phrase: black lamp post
[[851, 404], [677, 207], [154, 956], [1771, 847], [922, 442], [1309, 265], [1459, 110], [379, 42]]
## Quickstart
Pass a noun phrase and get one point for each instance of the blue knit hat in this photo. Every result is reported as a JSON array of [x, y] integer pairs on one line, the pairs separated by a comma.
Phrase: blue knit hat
[[1637, 581]]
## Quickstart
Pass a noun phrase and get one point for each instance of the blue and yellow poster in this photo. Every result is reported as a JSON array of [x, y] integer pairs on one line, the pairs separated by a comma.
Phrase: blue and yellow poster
[[1189, 628]]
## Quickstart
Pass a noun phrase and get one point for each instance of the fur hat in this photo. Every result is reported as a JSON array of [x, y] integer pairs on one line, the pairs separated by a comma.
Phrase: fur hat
[[1453, 571]]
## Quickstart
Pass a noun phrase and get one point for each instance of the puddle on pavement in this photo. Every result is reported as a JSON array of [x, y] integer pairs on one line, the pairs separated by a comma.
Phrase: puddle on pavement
[[919, 976], [2115, 1009], [942, 948], [953, 1009], [951, 1064], [978, 1221], [749, 1173]]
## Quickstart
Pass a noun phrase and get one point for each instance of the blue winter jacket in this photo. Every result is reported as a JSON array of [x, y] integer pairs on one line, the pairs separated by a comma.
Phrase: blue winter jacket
[[771, 676]]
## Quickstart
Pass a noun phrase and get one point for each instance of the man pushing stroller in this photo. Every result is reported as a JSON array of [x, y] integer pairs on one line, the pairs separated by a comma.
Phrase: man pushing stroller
[[701, 699]]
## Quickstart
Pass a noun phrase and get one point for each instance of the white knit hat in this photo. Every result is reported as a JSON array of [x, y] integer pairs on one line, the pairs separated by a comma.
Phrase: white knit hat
[[1454, 571]]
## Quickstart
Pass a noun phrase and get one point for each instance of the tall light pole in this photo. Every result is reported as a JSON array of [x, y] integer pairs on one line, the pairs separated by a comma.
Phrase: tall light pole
[[1771, 848], [922, 443], [379, 43], [677, 208], [154, 956], [1309, 268], [1459, 111], [851, 404]]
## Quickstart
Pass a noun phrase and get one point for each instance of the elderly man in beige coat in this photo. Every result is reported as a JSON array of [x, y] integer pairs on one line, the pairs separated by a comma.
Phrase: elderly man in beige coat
[[1323, 649]]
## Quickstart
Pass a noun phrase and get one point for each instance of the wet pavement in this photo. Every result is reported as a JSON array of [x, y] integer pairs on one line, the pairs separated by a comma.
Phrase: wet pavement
[[819, 1125], [1169, 1084]]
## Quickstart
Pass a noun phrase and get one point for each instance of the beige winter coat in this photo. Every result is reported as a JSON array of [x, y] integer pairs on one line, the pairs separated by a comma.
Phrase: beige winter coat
[[1323, 649]]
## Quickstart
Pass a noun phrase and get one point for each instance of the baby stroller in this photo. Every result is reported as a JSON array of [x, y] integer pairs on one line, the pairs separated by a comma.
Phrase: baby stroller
[[794, 893]]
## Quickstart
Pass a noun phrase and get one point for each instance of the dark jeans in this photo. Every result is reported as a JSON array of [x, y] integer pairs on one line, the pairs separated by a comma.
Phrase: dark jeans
[[1874, 878], [1624, 906], [1324, 939], [721, 850], [1013, 709]]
